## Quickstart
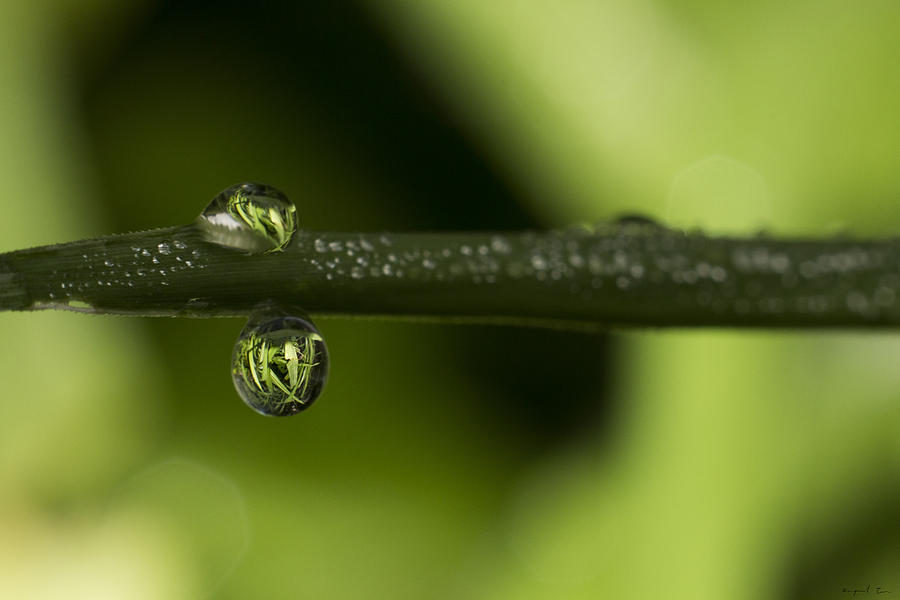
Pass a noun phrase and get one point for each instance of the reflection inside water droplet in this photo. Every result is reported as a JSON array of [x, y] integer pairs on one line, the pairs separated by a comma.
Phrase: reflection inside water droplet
[[251, 217], [279, 364]]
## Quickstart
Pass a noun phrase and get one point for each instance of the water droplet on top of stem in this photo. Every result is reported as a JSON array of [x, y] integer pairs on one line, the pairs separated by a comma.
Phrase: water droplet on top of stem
[[252, 217], [636, 219]]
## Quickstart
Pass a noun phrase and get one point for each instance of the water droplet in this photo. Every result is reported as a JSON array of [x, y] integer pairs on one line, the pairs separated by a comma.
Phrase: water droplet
[[636, 219], [718, 274], [279, 364], [251, 217], [884, 296], [500, 245]]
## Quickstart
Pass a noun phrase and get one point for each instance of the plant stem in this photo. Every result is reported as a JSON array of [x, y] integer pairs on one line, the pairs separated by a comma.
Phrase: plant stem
[[618, 274]]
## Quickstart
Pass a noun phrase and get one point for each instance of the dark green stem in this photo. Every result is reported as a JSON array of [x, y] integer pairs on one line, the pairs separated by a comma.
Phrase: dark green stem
[[620, 274]]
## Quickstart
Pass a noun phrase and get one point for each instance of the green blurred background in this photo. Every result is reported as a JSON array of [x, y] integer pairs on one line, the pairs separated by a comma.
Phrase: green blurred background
[[450, 462]]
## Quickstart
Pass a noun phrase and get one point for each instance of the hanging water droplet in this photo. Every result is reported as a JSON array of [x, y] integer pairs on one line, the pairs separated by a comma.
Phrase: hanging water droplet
[[279, 364], [251, 217]]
